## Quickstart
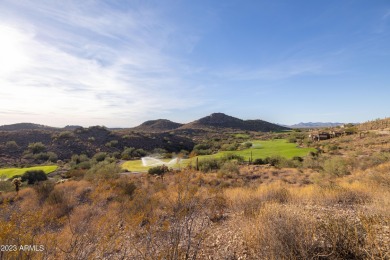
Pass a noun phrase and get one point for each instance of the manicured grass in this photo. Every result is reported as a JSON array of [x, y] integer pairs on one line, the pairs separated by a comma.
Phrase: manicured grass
[[136, 165], [10, 172], [263, 149], [259, 149]]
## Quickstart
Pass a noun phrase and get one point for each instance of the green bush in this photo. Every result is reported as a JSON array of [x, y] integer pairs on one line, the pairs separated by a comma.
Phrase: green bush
[[41, 156], [99, 157], [258, 161], [247, 145], [34, 176], [36, 147], [130, 153], [203, 152], [230, 147], [83, 165], [235, 157], [273, 160], [79, 158], [158, 170], [230, 167], [209, 164], [201, 147], [112, 143], [103, 170]]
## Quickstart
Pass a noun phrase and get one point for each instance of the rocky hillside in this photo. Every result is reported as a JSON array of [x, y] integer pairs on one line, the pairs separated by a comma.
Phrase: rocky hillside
[[378, 124], [220, 120], [15, 144], [159, 125]]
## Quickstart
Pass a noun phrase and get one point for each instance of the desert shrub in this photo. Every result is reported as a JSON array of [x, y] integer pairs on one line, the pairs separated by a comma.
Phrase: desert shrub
[[312, 162], [76, 159], [343, 238], [36, 147], [158, 170], [103, 170], [273, 160], [258, 161], [116, 155], [34, 176], [235, 157], [11, 145], [41, 156], [130, 153], [59, 202], [245, 201], [352, 197], [127, 188], [230, 147], [209, 164], [373, 160], [280, 233], [201, 147], [298, 158], [247, 145], [203, 152], [65, 135], [177, 229], [53, 157], [5, 186], [99, 157], [159, 151], [127, 153], [292, 139], [229, 167], [43, 190], [288, 163], [216, 207], [336, 167], [139, 153], [285, 233], [83, 165], [380, 176], [75, 173], [279, 195], [112, 143]]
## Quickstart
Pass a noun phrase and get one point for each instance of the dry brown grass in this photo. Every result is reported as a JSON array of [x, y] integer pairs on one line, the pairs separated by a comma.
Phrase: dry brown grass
[[275, 214]]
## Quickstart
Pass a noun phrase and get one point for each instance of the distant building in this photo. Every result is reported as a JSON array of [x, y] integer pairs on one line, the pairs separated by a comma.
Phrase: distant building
[[322, 135], [336, 133], [317, 136]]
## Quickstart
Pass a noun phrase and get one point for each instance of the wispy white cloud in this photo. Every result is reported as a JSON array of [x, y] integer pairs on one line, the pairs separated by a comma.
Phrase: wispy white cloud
[[102, 63]]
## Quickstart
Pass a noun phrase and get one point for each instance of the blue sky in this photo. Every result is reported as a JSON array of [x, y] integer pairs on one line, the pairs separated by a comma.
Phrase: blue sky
[[119, 63]]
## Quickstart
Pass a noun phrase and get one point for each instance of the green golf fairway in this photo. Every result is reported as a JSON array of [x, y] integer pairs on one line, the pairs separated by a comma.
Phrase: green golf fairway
[[259, 149]]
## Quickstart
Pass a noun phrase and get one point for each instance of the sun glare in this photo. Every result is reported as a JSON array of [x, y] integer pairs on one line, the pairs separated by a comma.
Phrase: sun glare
[[12, 53]]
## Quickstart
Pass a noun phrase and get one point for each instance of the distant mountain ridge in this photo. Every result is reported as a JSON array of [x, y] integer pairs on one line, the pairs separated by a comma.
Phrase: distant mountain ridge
[[316, 125], [158, 125], [220, 120], [213, 121], [25, 126]]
